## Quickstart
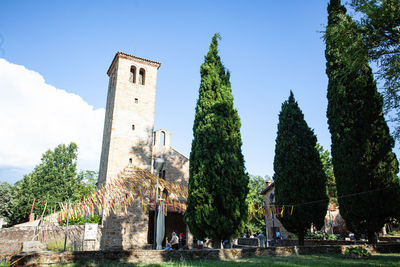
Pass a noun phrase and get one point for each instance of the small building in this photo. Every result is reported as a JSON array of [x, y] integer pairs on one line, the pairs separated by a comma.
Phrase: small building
[[271, 221], [334, 223]]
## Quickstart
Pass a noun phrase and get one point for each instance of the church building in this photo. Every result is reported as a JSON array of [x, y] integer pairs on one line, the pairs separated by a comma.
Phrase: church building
[[129, 139]]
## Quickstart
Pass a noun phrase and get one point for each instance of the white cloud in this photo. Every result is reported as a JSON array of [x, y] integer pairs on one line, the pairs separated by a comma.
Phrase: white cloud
[[35, 117]]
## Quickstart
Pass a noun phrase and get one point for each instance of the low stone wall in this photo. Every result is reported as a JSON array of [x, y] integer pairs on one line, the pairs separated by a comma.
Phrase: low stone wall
[[247, 242], [156, 256], [293, 242], [388, 248], [389, 238], [11, 239], [317, 242]]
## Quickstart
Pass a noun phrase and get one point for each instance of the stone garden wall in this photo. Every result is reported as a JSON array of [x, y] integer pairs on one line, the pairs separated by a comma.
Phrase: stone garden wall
[[156, 256], [11, 239]]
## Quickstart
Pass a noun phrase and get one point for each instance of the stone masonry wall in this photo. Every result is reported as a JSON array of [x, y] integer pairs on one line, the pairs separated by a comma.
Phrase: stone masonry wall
[[274, 221], [157, 256], [125, 231], [11, 239], [176, 165], [129, 121]]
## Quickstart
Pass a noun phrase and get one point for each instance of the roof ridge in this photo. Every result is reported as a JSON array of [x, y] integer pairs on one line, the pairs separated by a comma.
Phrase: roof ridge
[[141, 58], [119, 53]]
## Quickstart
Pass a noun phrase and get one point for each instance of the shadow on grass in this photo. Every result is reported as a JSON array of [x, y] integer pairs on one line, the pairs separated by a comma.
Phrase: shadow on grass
[[107, 264], [322, 260], [298, 261]]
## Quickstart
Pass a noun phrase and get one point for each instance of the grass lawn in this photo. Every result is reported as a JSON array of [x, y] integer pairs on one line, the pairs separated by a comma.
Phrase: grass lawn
[[386, 260]]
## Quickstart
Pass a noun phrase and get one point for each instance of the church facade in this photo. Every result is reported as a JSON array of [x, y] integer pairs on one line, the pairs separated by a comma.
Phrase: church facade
[[129, 139]]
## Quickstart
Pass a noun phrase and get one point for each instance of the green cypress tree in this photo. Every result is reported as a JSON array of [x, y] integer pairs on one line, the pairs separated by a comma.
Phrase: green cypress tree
[[216, 206], [364, 165], [299, 176]]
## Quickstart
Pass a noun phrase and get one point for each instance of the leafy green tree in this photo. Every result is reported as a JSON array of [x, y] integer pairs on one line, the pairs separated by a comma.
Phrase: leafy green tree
[[87, 180], [299, 176], [255, 201], [380, 29], [326, 160], [218, 182], [6, 201], [54, 180], [365, 167]]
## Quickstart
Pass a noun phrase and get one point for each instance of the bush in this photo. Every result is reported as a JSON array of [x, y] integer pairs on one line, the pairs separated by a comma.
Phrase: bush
[[93, 218], [394, 233], [357, 252], [292, 236], [316, 235], [332, 237]]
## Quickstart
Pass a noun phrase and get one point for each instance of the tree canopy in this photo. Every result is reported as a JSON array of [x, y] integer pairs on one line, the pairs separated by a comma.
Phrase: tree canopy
[[216, 205], [6, 201], [326, 161], [255, 200], [364, 165], [379, 25], [53, 180], [299, 176]]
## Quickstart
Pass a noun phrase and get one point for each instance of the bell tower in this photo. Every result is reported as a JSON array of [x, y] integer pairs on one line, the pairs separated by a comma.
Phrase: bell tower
[[129, 118]]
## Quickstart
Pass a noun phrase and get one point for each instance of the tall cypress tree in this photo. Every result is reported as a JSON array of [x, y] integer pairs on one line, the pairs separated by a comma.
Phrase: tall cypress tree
[[216, 206], [299, 176], [364, 165]]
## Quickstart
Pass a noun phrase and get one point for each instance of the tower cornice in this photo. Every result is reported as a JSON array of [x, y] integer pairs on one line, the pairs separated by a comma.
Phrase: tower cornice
[[131, 57]]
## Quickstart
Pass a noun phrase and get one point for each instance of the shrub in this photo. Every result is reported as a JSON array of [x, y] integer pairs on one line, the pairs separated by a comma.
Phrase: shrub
[[292, 236], [332, 237], [316, 235], [93, 218], [357, 252]]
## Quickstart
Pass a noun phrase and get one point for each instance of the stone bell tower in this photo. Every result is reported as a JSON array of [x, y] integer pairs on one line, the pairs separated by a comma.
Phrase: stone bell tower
[[129, 119]]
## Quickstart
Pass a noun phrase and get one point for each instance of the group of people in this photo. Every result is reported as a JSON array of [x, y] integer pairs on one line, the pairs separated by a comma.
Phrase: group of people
[[262, 239], [179, 242], [176, 242]]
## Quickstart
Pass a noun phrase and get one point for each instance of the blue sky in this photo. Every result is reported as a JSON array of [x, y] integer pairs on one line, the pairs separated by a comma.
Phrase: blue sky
[[270, 48]]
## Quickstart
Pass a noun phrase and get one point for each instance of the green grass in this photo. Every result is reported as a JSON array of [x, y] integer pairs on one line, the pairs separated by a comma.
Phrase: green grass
[[57, 245], [386, 260], [393, 233]]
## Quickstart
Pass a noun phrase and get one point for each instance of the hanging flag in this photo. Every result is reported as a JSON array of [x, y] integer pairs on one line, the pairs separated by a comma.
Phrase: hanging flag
[[33, 203]]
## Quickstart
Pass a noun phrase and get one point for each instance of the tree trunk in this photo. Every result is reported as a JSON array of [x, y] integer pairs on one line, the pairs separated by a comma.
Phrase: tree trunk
[[301, 239], [216, 244], [372, 238]]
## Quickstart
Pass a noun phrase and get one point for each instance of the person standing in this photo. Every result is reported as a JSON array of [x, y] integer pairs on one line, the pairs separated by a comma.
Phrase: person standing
[[181, 240], [261, 238]]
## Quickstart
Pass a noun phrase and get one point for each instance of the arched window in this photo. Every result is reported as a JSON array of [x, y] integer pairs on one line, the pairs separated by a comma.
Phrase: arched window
[[132, 75], [163, 138], [161, 174], [130, 161], [142, 76], [165, 194]]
